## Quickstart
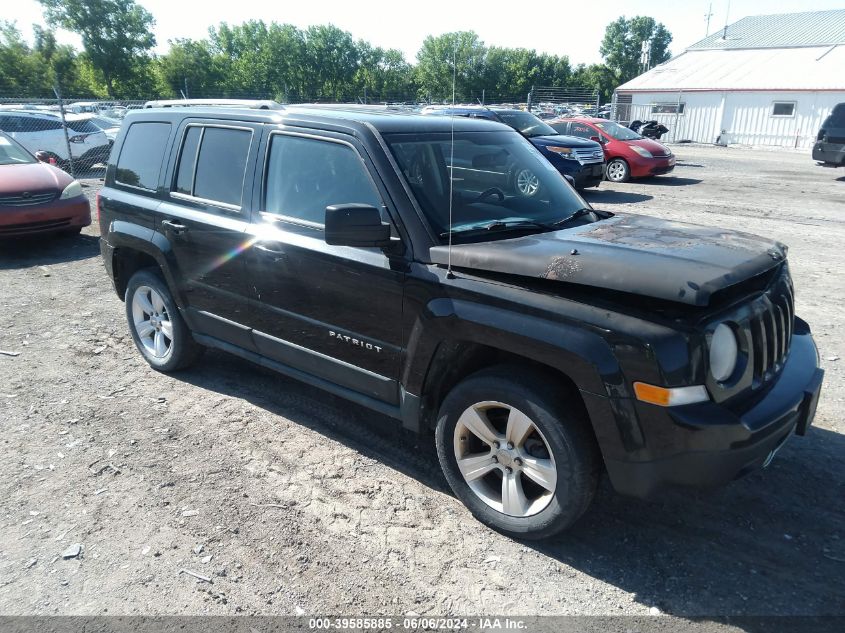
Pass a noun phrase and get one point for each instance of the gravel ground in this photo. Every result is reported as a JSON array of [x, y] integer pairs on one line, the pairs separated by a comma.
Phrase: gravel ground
[[290, 500]]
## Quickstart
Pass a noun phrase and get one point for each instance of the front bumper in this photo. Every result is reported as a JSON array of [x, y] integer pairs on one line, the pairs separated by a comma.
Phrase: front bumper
[[831, 153], [708, 444], [58, 215], [656, 166], [583, 174]]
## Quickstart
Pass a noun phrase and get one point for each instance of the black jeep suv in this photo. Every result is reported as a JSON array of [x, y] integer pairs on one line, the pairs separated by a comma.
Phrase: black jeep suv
[[391, 259]]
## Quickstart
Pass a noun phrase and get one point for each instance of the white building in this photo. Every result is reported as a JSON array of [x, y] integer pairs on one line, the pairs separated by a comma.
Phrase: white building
[[764, 80]]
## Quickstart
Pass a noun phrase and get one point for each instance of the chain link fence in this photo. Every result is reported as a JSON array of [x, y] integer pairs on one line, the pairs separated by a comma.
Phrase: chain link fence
[[76, 136]]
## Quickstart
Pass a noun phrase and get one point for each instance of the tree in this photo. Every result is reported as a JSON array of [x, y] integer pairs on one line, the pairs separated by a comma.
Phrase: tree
[[597, 76], [435, 65], [622, 46], [117, 35]]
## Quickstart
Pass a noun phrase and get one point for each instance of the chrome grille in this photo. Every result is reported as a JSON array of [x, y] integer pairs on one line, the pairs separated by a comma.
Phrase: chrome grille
[[587, 155], [771, 328], [27, 199]]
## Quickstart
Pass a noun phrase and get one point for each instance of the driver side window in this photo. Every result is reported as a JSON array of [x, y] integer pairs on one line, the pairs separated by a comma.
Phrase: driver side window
[[305, 175]]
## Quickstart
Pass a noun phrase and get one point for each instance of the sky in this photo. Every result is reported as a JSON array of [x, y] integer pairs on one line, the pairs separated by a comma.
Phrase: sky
[[563, 28]]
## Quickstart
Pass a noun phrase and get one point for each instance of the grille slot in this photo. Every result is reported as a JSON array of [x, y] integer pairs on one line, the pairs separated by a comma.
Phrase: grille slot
[[771, 329], [19, 200], [48, 225]]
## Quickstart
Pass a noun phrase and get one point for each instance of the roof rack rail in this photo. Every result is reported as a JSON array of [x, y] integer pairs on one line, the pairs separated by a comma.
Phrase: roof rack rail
[[253, 104]]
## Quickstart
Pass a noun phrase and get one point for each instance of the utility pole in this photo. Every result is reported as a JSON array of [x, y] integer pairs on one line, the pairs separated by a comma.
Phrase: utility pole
[[707, 16]]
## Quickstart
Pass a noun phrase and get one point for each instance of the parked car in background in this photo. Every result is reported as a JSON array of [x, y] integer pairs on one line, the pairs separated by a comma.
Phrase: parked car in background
[[108, 125], [36, 197], [628, 154], [580, 159], [830, 142], [42, 131]]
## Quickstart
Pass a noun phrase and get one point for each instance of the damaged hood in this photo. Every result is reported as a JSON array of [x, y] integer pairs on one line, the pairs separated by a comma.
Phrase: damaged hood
[[647, 256]]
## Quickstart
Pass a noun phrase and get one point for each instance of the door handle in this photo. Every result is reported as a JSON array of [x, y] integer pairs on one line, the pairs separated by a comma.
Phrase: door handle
[[174, 227]]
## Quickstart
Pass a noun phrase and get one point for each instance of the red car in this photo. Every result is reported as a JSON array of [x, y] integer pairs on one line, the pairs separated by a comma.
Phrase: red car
[[628, 154], [36, 197]]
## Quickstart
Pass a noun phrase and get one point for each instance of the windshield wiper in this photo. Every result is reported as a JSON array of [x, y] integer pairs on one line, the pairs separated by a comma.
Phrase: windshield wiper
[[574, 216], [502, 225]]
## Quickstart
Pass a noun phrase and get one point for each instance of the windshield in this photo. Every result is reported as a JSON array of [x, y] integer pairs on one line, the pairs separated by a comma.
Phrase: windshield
[[619, 132], [13, 154], [526, 123], [499, 177]]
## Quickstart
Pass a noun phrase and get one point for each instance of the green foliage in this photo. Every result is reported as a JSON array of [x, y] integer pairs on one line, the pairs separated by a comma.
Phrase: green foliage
[[623, 41], [117, 36], [280, 61]]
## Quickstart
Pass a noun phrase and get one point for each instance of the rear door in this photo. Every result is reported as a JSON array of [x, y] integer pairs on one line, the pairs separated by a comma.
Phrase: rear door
[[332, 311], [204, 218]]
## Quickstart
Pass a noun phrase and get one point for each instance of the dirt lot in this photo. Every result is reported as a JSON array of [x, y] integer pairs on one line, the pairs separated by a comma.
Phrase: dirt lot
[[294, 501]]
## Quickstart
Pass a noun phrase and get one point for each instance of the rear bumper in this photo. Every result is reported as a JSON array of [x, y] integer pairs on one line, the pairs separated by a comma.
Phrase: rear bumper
[[831, 153], [59, 215], [707, 444]]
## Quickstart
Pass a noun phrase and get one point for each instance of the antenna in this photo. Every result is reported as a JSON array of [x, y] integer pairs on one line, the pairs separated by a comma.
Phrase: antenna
[[449, 273], [708, 15]]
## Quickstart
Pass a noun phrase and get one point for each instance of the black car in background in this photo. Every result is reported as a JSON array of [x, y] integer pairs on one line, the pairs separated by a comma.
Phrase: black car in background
[[830, 142], [580, 159]]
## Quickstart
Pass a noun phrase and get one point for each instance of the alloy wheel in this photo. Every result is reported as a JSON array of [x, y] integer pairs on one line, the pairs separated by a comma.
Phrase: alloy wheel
[[152, 322], [505, 459]]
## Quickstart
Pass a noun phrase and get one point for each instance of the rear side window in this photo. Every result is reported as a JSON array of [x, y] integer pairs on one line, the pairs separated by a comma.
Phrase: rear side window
[[837, 117], [140, 157], [215, 172], [582, 130], [306, 175]]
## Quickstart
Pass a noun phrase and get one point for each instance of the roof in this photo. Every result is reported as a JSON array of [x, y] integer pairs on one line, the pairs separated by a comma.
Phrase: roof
[[810, 28], [352, 118], [761, 69]]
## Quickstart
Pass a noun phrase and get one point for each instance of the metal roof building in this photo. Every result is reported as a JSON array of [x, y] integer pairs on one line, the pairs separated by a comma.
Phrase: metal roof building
[[764, 80]]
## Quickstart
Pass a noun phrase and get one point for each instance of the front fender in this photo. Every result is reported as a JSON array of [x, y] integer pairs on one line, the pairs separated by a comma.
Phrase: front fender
[[576, 351]]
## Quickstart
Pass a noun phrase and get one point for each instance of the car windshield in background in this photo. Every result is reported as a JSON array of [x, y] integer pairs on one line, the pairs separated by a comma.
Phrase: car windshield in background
[[83, 126], [104, 123], [526, 124], [619, 132], [501, 184], [13, 154]]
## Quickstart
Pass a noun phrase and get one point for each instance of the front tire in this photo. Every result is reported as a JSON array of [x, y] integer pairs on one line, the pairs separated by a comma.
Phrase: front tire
[[618, 171], [518, 452], [157, 328]]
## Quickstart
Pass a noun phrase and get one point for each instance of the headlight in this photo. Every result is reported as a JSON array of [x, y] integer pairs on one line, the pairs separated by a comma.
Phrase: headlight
[[73, 190], [642, 152], [723, 352], [564, 152]]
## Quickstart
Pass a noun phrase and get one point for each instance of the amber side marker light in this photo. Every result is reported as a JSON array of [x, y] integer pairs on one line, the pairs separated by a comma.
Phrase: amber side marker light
[[670, 396]]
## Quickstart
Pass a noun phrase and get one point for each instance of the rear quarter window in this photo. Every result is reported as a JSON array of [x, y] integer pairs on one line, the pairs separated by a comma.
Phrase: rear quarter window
[[141, 155]]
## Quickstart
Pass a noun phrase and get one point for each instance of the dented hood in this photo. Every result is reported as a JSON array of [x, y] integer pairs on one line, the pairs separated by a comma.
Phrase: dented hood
[[647, 256]]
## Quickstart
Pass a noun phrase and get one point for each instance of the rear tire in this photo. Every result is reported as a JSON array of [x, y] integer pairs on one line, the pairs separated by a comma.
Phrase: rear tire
[[157, 327], [544, 472]]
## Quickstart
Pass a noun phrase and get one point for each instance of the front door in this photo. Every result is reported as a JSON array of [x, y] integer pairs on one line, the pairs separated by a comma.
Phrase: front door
[[334, 312]]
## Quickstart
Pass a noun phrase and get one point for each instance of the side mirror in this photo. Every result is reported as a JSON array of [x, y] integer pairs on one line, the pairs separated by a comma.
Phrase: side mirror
[[569, 179], [598, 139], [355, 225], [43, 157]]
